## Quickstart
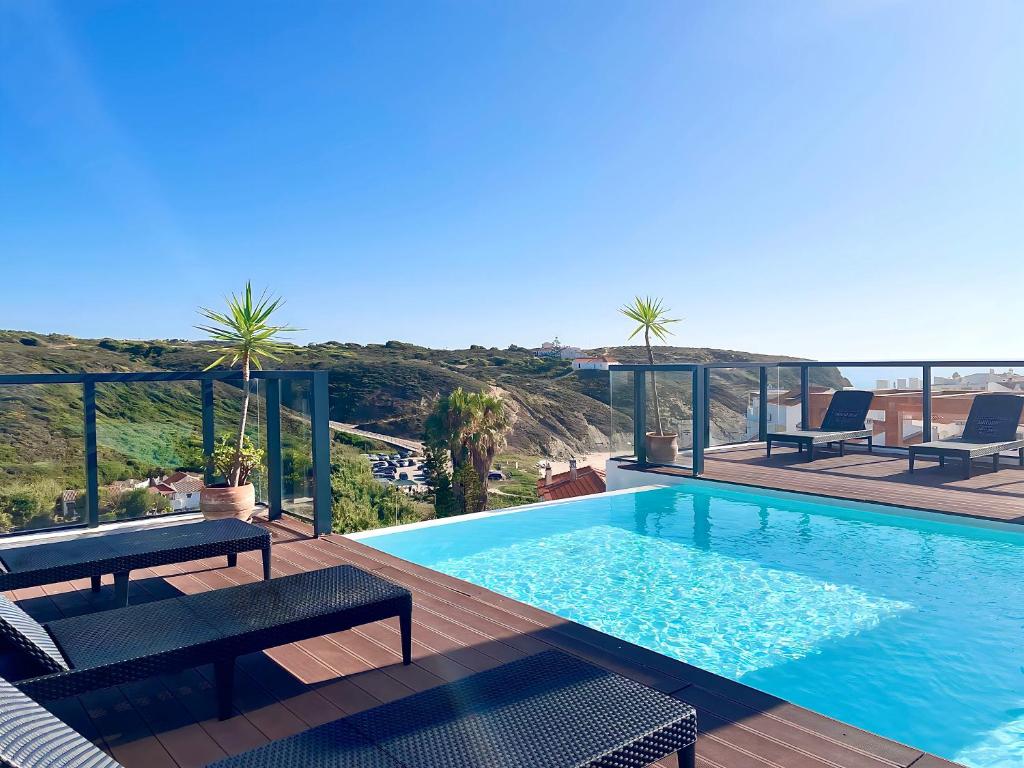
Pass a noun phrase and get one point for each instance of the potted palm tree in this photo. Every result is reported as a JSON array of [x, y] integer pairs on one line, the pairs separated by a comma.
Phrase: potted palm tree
[[246, 336], [651, 317]]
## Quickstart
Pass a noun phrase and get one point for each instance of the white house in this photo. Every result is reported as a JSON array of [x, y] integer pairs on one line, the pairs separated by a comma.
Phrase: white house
[[593, 363]]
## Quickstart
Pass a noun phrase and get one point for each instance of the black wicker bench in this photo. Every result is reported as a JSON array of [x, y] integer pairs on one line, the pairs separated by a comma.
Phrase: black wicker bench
[[71, 656], [545, 711], [120, 553]]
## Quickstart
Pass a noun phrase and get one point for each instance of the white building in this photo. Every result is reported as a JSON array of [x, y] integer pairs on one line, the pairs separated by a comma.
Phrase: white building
[[593, 363]]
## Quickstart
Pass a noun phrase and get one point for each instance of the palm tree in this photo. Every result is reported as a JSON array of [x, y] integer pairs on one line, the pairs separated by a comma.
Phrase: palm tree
[[651, 317], [494, 420], [473, 427], [247, 337]]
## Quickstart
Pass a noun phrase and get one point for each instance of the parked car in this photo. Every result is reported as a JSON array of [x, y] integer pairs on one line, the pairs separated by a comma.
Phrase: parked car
[[403, 475], [495, 475]]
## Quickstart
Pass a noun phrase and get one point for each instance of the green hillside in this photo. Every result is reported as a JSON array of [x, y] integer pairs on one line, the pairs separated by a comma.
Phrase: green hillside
[[146, 429]]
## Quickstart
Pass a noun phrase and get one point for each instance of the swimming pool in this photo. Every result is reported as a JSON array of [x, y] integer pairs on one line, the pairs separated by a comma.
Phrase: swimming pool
[[907, 624]]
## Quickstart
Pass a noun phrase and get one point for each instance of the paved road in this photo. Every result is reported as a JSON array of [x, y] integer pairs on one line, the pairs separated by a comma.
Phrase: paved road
[[400, 442]]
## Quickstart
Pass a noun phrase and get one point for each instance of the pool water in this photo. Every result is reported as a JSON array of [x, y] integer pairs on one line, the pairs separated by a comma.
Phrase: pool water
[[908, 625]]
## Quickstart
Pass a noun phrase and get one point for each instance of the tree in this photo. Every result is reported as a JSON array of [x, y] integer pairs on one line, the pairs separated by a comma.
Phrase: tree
[[247, 337], [472, 427], [439, 479], [652, 318]]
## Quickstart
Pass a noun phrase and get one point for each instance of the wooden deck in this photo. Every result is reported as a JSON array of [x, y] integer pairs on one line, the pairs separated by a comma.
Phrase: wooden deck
[[459, 629], [880, 478]]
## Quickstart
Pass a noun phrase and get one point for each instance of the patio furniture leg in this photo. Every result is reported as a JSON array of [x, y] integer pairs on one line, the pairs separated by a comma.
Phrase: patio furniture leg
[[96, 583], [842, 447], [1021, 453], [871, 444], [799, 447], [911, 457], [942, 460], [995, 461], [266, 563], [405, 623], [224, 675], [232, 560], [768, 448], [967, 467], [688, 757], [810, 451], [121, 589]]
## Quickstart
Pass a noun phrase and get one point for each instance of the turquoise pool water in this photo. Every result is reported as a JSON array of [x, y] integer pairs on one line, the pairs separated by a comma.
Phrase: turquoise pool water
[[908, 626]]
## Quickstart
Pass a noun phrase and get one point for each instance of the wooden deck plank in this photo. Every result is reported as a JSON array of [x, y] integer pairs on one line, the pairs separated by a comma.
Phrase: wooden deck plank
[[879, 477], [458, 628]]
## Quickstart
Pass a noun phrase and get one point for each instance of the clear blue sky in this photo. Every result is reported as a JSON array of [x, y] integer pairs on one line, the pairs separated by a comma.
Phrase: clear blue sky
[[496, 173]]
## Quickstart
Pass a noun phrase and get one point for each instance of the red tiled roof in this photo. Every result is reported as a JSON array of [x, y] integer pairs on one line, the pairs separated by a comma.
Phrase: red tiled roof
[[588, 480]]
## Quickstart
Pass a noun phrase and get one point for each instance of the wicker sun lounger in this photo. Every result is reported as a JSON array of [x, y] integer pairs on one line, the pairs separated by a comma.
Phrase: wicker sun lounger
[[991, 428], [70, 656], [844, 420], [545, 711], [121, 553]]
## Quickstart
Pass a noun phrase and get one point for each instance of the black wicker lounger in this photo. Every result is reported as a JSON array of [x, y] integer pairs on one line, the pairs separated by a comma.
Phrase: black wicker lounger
[[844, 420], [70, 656], [121, 553], [545, 711], [991, 428]]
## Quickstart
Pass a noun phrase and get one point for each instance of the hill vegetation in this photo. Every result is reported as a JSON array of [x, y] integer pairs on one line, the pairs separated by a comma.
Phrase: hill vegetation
[[390, 388]]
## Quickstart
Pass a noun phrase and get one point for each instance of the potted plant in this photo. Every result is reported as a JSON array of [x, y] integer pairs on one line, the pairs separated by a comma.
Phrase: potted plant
[[246, 336], [651, 318]]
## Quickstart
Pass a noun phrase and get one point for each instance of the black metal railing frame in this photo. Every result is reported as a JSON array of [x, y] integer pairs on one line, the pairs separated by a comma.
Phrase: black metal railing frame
[[702, 393], [319, 427]]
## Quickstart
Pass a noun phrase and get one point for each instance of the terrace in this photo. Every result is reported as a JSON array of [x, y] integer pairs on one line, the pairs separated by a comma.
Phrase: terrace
[[779, 396], [461, 628]]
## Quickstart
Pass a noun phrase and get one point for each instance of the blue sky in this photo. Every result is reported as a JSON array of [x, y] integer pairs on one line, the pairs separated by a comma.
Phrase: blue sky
[[815, 178]]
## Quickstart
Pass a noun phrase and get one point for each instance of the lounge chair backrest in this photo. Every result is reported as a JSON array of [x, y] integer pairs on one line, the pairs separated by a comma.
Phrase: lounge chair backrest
[[993, 418], [26, 637], [847, 410], [31, 737]]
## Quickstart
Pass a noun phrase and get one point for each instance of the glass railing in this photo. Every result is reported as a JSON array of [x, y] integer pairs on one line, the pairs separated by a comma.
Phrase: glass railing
[[743, 402], [87, 449]]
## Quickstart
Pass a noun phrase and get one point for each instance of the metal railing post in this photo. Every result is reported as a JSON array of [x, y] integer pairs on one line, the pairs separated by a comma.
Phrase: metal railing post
[[699, 417], [926, 403], [274, 466], [321, 435], [707, 406], [640, 416], [209, 430], [762, 403], [805, 397], [92, 490]]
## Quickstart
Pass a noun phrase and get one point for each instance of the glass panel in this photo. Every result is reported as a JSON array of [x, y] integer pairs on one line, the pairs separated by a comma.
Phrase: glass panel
[[227, 406], [620, 433], [670, 411], [733, 400], [954, 390], [783, 400], [296, 449], [896, 414], [149, 441], [42, 456]]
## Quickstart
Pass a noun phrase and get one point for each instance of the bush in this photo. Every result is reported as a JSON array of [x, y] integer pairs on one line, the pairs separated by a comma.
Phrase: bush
[[359, 502]]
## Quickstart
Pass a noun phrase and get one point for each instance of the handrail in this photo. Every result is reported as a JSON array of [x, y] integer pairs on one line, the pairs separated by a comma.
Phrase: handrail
[[701, 391], [319, 426]]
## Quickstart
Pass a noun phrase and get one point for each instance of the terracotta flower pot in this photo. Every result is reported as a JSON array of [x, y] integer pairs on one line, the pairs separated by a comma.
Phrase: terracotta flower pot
[[662, 449], [217, 503]]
